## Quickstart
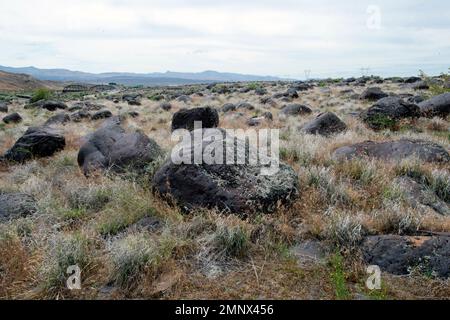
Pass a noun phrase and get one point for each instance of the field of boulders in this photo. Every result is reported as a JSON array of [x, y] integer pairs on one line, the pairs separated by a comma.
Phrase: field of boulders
[[86, 179]]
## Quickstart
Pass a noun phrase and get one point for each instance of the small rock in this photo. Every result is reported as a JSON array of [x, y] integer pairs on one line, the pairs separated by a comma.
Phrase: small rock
[[102, 114], [325, 124], [295, 110], [373, 94], [12, 118]]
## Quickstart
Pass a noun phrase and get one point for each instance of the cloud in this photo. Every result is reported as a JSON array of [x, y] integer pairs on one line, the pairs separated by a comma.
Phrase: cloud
[[261, 37]]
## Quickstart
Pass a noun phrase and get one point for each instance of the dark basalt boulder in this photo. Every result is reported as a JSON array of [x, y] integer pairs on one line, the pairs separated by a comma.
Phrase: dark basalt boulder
[[394, 150], [133, 99], [256, 121], [111, 147], [295, 110], [166, 106], [102, 114], [436, 106], [419, 195], [12, 118], [50, 105], [245, 105], [184, 98], [291, 93], [185, 118], [36, 142], [60, 118], [227, 107], [412, 80], [400, 255], [3, 107], [80, 115], [385, 112], [373, 94], [232, 188], [325, 124], [15, 205], [422, 85]]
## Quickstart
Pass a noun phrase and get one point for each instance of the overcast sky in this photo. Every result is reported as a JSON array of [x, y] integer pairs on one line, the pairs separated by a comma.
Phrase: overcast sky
[[282, 37]]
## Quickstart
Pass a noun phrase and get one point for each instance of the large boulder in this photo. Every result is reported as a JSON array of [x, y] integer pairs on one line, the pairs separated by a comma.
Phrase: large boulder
[[373, 94], [185, 118], [324, 124], [385, 112], [15, 205], [12, 118], [233, 188], [111, 147], [36, 142], [295, 109], [400, 255], [394, 150], [436, 106]]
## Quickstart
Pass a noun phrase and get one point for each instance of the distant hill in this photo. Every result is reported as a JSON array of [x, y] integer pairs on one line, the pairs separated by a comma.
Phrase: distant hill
[[156, 78], [20, 82]]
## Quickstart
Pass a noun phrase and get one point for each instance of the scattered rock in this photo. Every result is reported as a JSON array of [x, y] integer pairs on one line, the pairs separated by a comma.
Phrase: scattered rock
[[133, 99], [419, 195], [185, 118], [401, 255], [133, 114], [245, 105], [50, 105], [59, 118], [3, 107], [295, 110], [80, 115], [12, 118], [166, 106], [291, 93], [394, 150], [436, 106], [102, 114], [412, 80], [228, 107], [36, 142], [373, 94], [385, 112], [16, 205], [184, 98], [421, 85], [325, 124], [239, 189], [110, 147]]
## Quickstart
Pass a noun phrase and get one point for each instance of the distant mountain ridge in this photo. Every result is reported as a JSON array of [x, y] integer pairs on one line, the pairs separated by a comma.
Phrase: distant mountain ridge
[[127, 78], [19, 82]]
